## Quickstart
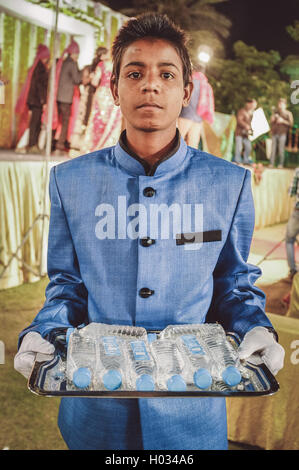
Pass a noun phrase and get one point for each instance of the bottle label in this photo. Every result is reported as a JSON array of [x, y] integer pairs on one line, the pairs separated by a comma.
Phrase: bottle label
[[190, 341], [111, 346], [139, 351]]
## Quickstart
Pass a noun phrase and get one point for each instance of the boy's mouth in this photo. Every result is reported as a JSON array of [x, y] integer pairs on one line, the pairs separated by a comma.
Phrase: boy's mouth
[[149, 105]]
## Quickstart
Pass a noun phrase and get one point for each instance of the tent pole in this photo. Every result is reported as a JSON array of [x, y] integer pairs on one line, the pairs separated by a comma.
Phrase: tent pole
[[49, 132]]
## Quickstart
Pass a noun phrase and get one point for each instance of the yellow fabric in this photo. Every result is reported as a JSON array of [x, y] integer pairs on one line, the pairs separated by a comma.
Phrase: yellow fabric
[[218, 138], [272, 422], [21, 201], [273, 205], [293, 310]]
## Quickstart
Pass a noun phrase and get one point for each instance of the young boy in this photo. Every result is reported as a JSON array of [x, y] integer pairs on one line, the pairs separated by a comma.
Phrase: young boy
[[108, 265]]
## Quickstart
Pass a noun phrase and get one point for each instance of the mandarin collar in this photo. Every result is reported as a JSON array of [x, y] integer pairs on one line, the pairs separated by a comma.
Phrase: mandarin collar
[[135, 166]]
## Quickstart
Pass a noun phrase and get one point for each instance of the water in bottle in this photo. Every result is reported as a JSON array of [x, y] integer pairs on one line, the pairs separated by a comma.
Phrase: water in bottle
[[141, 365], [112, 361], [199, 363], [169, 364], [81, 359], [223, 353]]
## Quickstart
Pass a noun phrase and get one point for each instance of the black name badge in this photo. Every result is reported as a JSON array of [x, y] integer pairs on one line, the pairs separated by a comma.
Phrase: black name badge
[[199, 237]]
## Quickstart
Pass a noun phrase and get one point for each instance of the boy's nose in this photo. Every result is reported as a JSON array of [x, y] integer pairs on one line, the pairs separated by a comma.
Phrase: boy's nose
[[150, 83]]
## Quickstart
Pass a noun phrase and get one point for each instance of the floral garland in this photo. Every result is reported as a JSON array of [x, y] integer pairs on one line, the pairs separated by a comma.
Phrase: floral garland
[[71, 11]]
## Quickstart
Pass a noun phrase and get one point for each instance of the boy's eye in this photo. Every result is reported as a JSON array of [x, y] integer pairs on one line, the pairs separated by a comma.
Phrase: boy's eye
[[167, 75], [134, 75]]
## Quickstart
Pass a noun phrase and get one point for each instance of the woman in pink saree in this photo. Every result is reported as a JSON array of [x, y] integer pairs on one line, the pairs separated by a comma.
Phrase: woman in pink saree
[[104, 124]]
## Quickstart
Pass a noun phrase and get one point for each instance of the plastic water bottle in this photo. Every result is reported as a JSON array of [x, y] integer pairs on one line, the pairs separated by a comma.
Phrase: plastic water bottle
[[114, 354], [54, 379], [96, 330], [142, 365], [81, 359], [112, 361], [170, 365], [197, 357], [223, 353], [127, 332]]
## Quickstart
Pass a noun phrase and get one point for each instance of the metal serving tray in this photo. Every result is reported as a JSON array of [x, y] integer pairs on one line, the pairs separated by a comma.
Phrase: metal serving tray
[[259, 381]]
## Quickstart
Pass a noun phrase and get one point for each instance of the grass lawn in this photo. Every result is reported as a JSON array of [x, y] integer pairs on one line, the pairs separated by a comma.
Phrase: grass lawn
[[28, 422]]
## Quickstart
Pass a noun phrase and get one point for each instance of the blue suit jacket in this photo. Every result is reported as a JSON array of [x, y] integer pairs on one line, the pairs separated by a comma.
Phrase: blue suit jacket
[[98, 264]]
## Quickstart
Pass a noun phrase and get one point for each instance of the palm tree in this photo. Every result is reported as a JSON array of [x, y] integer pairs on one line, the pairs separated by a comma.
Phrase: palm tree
[[198, 17]]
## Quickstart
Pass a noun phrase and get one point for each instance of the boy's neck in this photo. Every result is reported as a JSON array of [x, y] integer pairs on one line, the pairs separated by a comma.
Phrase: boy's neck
[[151, 146]]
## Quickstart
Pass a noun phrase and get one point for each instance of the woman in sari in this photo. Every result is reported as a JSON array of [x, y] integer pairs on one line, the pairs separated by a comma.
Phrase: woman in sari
[[104, 124]]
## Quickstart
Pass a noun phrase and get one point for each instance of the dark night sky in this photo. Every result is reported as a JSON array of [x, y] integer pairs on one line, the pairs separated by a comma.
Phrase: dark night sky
[[262, 23]]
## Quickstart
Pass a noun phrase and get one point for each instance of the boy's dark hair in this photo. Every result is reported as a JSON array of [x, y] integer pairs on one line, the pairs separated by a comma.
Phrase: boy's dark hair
[[156, 26]]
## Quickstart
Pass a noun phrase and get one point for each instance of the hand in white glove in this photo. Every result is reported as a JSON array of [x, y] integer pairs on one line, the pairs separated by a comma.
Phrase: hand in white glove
[[259, 343], [32, 344]]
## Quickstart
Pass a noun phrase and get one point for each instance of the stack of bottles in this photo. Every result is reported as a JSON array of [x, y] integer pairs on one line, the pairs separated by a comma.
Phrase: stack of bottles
[[208, 354], [180, 358]]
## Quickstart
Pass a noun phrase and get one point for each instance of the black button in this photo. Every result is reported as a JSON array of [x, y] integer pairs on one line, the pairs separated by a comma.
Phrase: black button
[[149, 192], [147, 241], [146, 292]]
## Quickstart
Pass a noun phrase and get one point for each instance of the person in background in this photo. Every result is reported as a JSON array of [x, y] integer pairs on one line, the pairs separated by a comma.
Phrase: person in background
[[79, 127], [280, 121], [201, 107], [243, 130], [33, 98], [68, 76], [91, 89], [292, 229], [104, 124]]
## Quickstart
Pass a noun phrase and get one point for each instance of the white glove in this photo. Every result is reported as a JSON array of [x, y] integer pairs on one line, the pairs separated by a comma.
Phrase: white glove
[[261, 341], [32, 344]]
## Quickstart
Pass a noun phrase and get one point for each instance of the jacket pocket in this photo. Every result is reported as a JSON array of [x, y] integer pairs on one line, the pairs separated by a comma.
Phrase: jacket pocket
[[199, 237]]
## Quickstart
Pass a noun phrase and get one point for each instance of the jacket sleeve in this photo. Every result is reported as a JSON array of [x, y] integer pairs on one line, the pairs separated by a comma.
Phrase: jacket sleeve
[[237, 304], [66, 295], [75, 73]]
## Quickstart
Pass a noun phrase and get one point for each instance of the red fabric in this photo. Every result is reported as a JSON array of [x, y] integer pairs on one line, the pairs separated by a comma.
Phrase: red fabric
[[73, 48], [206, 104], [21, 106]]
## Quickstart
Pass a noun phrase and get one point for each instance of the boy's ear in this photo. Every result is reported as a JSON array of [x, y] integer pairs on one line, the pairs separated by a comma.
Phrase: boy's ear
[[187, 93], [114, 90]]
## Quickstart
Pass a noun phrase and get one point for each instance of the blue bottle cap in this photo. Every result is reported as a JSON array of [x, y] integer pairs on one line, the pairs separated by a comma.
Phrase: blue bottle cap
[[202, 378], [176, 384], [145, 383], [69, 331], [231, 376], [82, 377], [151, 337], [112, 380]]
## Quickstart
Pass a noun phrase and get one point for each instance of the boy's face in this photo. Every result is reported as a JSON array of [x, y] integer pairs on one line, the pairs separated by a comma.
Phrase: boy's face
[[150, 89]]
